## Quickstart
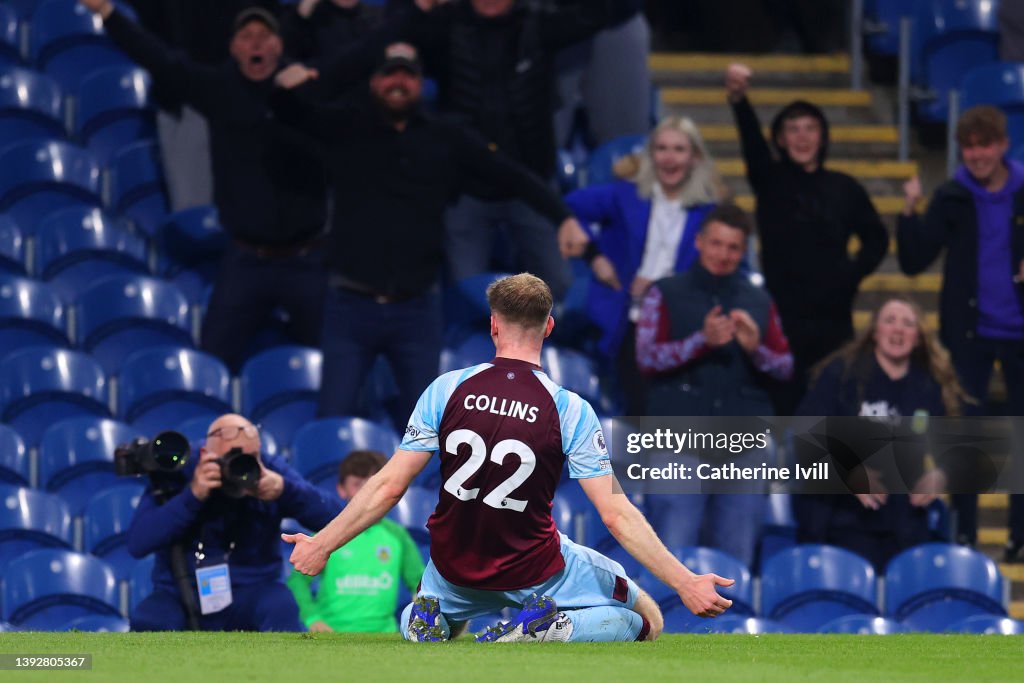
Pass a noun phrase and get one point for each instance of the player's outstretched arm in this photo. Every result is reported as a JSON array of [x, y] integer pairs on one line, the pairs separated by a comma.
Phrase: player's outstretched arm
[[627, 524], [367, 507]]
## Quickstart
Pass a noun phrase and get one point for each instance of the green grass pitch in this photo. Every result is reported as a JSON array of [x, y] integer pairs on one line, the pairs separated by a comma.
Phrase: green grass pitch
[[308, 658]]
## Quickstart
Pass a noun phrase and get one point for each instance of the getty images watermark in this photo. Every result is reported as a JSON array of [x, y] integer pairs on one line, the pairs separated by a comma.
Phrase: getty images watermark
[[679, 455]]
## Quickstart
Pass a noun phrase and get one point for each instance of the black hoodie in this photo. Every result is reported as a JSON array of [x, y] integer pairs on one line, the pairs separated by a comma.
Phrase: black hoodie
[[805, 221]]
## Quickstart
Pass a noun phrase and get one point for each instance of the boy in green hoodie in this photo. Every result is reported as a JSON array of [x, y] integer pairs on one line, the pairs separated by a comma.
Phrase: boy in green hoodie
[[359, 587]]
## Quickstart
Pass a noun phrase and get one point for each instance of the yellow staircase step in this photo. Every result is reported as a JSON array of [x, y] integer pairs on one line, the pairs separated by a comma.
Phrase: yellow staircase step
[[886, 205], [823, 97], [1017, 609], [994, 501], [993, 535], [897, 282], [808, 64], [726, 132], [1014, 572], [861, 320], [858, 168]]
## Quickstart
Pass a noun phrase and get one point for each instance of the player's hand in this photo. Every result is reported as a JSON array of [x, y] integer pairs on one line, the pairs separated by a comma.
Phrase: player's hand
[[604, 271], [320, 627], [737, 81], [572, 238], [294, 75], [271, 484], [100, 7], [307, 557], [700, 595], [869, 481], [306, 7], [206, 478], [912, 196], [748, 334], [718, 329]]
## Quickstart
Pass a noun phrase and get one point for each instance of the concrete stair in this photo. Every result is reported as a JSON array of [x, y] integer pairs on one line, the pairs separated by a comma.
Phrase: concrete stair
[[863, 143]]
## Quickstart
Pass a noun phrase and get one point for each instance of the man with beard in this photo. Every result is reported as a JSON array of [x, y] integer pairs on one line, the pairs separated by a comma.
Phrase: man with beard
[[268, 189], [393, 173]]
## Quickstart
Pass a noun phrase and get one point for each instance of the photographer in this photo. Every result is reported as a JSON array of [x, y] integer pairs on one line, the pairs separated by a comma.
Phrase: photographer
[[225, 512]]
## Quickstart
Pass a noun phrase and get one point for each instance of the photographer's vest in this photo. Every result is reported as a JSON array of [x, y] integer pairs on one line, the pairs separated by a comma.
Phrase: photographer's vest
[[528, 90], [722, 381]]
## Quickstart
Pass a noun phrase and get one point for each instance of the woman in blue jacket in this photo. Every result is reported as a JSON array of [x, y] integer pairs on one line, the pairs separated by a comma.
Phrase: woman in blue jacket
[[641, 230]]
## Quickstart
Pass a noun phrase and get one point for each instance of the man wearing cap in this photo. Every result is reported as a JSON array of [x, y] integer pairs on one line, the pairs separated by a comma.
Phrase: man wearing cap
[[393, 173], [269, 189]]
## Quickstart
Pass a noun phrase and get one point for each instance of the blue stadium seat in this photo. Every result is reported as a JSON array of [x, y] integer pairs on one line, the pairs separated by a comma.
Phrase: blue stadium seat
[[950, 37], [882, 24], [10, 52], [574, 371], [67, 42], [167, 385], [45, 589], [808, 586], [465, 303], [14, 465], [120, 314], [576, 517], [1000, 84], [31, 314], [679, 619], [30, 520], [23, 9], [190, 238], [475, 349], [567, 173], [140, 585], [321, 445], [77, 246], [280, 389], [603, 158], [989, 624], [107, 517], [42, 385], [748, 625], [31, 107], [114, 110], [12, 247], [863, 624], [37, 178], [137, 187], [933, 586], [98, 623], [778, 532], [76, 458], [413, 511]]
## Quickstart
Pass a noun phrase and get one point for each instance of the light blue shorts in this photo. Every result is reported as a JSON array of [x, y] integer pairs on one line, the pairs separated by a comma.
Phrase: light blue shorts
[[589, 580]]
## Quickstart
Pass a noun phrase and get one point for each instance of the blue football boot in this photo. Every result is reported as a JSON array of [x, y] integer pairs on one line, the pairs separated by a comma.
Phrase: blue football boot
[[530, 625], [425, 621]]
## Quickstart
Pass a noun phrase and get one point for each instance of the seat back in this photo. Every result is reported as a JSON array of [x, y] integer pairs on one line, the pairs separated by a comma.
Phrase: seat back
[[14, 466], [935, 585], [413, 511], [120, 314], [29, 520], [37, 178], [1000, 84], [12, 247], [31, 314], [602, 160], [190, 238], [810, 585], [166, 385], [107, 517], [319, 446], [573, 371], [114, 110], [46, 589], [863, 624], [76, 457], [31, 107], [280, 389], [137, 187], [67, 41]]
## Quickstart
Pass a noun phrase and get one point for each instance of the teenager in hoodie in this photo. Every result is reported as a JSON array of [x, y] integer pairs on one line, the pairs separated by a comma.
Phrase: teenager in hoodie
[[977, 217], [806, 215]]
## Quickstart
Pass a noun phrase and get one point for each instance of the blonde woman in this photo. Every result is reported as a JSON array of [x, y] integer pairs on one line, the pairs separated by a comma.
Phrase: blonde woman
[[639, 231]]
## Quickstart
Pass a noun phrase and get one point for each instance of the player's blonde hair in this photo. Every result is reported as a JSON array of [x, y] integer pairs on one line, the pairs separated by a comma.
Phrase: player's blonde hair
[[523, 300]]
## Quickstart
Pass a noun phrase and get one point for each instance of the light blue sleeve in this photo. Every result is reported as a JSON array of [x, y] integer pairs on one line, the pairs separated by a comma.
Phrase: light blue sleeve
[[421, 432], [582, 439]]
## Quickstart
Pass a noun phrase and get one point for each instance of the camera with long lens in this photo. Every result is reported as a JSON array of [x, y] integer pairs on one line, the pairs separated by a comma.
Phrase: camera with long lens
[[166, 453], [239, 473]]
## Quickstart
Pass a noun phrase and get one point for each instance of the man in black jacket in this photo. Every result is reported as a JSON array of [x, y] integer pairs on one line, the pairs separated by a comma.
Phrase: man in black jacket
[[393, 173], [269, 189], [493, 61], [806, 216], [977, 216]]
